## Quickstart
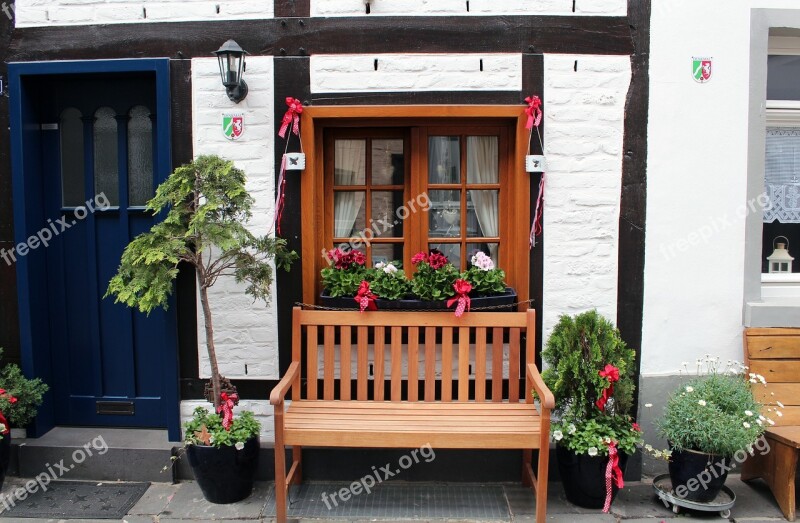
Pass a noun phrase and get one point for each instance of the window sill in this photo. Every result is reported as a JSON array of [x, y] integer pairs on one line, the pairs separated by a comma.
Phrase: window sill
[[773, 312]]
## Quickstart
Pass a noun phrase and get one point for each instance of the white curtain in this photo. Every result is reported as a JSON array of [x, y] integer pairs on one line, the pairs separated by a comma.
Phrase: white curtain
[[782, 175], [349, 169], [483, 167]]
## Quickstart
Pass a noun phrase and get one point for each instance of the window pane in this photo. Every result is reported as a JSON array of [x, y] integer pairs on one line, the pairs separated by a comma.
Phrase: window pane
[[349, 214], [388, 164], [783, 78], [350, 162], [444, 159], [384, 214], [106, 167], [482, 214], [72, 158], [444, 215], [140, 156], [490, 249], [483, 163], [386, 252], [451, 250]]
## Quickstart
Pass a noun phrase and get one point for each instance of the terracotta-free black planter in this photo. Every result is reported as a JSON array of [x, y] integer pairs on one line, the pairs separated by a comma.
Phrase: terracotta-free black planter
[[5, 456], [225, 475], [584, 477], [508, 297], [700, 475]]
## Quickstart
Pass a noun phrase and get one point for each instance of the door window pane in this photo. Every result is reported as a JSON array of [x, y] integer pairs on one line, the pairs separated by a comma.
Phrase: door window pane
[[783, 74], [490, 249], [384, 213], [451, 250], [349, 214], [444, 215], [444, 159], [388, 163], [350, 162], [483, 163], [386, 252], [106, 166], [140, 156], [71, 126], [482, 214]]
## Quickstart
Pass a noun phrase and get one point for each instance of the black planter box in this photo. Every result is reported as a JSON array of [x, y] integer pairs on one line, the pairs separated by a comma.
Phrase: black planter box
[[505, 303]]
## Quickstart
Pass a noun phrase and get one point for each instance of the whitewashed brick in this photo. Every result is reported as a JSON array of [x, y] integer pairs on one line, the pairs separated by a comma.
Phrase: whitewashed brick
[[416, 72], [584, 117], [476, 7]]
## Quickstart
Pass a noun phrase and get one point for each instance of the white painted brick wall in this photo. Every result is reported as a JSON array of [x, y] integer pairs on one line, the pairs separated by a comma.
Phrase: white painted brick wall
[[584, 118], [415, 72], [30, 13], [246, 332], [476, 7], [261, 408]]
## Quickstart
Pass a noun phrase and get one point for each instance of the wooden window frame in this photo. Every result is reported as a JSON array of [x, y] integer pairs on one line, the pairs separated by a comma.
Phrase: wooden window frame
[[316, 119]]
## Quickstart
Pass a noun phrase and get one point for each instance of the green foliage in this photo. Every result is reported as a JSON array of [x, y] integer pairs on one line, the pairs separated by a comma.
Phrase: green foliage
[[434, 284], [485, 282], [715, 413], [29, 394], [244, 427], [389, 281], [578, 349], [207, 207], [344, 282]]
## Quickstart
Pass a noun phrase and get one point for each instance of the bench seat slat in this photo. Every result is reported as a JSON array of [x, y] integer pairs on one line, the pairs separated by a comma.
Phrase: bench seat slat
[[786, 435]]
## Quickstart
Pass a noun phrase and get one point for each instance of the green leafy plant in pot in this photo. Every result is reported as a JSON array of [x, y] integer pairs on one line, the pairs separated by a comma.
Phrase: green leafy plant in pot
[[206, 207], [590, 371], [710, 421]]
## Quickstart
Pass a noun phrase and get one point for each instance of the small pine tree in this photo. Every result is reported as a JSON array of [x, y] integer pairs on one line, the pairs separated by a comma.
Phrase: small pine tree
[[207, 207]]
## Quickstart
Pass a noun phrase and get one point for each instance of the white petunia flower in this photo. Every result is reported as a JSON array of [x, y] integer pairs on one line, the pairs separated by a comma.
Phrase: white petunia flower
[[239, 445], [702, 403], [746, 425], [558, 435], [571, 429], [606, 440], [592, 451]]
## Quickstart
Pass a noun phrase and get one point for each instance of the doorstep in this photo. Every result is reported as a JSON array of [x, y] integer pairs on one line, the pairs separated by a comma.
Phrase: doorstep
[[74, 453]]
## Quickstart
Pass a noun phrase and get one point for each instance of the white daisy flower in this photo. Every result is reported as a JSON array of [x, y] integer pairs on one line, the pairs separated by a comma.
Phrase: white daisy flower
[[779, 413], [702, 403], [759, 422], [746, 425], [592, 451], [558, 435], [780, 404], [748, 413], [770, 421], [689, 389]]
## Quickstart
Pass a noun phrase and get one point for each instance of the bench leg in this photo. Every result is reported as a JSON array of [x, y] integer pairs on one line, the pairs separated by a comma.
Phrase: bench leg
[[527, 464], [777, 468], [297, 457], [541, 484], [280, 470]]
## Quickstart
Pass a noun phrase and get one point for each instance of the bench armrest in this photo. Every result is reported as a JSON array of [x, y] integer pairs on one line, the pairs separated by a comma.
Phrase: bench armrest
[[545, 396], [285, 385]]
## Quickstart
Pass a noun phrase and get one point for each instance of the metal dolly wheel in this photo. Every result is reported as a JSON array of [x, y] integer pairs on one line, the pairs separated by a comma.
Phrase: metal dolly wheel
[[722, 503]]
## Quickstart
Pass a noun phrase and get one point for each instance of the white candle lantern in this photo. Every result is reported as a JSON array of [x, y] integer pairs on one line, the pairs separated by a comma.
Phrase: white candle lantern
[[780, 261]]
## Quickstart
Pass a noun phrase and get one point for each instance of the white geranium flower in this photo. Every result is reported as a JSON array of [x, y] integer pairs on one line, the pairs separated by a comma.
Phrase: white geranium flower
[[558, 435], [746, 425], [592, 451], [380, 265], [748, 413], [689, 389], [702, 403], [389, 269], [239, 445], [571, 429]]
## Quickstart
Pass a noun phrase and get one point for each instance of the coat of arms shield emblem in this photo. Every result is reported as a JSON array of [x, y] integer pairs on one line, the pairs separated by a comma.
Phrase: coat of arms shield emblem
[[701, 69], [233, 125]]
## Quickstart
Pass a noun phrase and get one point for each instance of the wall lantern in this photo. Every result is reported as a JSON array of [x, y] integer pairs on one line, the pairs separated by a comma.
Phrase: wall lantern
[[231, 68], [779, 260]]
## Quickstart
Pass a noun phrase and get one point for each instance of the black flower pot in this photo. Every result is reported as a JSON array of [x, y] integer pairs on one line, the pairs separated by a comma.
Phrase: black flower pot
[[225, 475], [697, 476], [584, 477], [5, 456], [507, 297]]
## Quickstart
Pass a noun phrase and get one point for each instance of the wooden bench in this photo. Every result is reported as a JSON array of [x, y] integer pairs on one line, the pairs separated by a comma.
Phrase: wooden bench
[[775, 354], [421, 398]]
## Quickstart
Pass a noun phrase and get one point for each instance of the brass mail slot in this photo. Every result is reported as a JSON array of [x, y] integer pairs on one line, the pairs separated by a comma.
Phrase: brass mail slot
[[117, 408]]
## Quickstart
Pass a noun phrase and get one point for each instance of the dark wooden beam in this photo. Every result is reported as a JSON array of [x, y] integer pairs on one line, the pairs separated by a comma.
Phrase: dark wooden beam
[[292, 8], [305, 36]]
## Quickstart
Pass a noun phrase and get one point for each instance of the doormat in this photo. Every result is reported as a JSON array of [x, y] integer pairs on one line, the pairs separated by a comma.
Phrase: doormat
[[75, 500], [396, 502]]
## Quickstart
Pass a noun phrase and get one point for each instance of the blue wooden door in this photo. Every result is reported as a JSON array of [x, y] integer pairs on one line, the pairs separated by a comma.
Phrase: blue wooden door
[[99, 139]]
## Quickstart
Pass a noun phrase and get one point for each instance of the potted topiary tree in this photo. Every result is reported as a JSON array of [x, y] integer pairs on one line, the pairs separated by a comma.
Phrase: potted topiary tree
[[591, 375], [206, 208]]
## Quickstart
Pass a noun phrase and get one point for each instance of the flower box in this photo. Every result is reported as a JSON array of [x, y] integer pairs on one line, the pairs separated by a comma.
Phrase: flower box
[[506, 299]]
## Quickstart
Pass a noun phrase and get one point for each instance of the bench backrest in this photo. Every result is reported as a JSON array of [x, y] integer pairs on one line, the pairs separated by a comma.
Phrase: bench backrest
[[775, 354], [413, 356]]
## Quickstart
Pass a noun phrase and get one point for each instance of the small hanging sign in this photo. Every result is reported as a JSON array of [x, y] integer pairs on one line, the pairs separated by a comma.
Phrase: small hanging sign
[[295, 161], [233, 125], [535, 163], [702, 68]]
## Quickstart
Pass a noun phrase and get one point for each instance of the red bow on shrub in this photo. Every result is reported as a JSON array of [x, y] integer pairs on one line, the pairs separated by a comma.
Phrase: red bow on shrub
[[292, 117], [365, 297], [226, 408], [613, 474], [612, 373], [462, 288], [534, 112]]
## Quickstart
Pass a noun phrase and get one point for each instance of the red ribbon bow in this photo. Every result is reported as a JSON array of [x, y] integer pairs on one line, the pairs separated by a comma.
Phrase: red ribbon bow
[[462, 288], [612, 373], [292, 117], [613, 474], [534, 112], [226, 408], [366, 298]]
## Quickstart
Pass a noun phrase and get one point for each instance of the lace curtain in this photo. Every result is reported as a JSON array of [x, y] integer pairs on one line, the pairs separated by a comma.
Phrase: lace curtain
[[782, 175], [350, 168], [482, 167]]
